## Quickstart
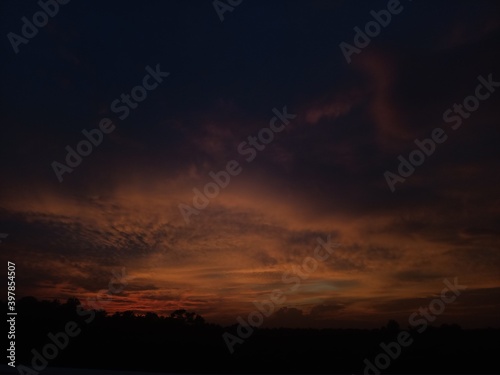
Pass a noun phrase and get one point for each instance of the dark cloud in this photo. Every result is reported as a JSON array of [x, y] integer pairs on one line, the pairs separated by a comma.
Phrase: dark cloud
[[322, 175], [416, 275]]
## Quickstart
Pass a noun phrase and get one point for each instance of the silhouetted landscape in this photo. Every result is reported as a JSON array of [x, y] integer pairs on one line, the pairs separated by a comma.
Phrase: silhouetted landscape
[[184, 343]]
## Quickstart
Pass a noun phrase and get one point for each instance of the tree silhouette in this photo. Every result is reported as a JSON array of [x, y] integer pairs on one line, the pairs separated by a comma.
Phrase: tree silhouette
[[392, 326], [189, 318], [148, 342]]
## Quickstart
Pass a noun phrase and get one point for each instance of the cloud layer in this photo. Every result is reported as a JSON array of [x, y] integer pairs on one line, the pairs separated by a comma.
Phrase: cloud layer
[[322, 175]]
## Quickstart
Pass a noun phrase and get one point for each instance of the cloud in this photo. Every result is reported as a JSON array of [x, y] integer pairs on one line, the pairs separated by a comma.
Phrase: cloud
[[322, 175]]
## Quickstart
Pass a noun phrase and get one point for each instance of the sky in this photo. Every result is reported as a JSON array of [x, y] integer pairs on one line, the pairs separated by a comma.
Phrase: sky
[[323, 174]]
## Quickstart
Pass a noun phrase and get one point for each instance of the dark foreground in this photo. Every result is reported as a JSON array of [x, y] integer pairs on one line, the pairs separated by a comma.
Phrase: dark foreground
[[184, 343]]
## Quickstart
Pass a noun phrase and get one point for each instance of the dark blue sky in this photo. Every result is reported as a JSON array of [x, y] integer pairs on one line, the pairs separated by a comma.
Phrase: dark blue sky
[[325, 173]]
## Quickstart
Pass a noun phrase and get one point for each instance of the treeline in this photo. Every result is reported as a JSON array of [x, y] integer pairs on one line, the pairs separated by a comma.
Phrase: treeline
[[185, 343]]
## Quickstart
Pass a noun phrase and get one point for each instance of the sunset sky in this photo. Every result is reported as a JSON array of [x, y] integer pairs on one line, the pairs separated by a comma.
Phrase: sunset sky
[[322, 175]]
